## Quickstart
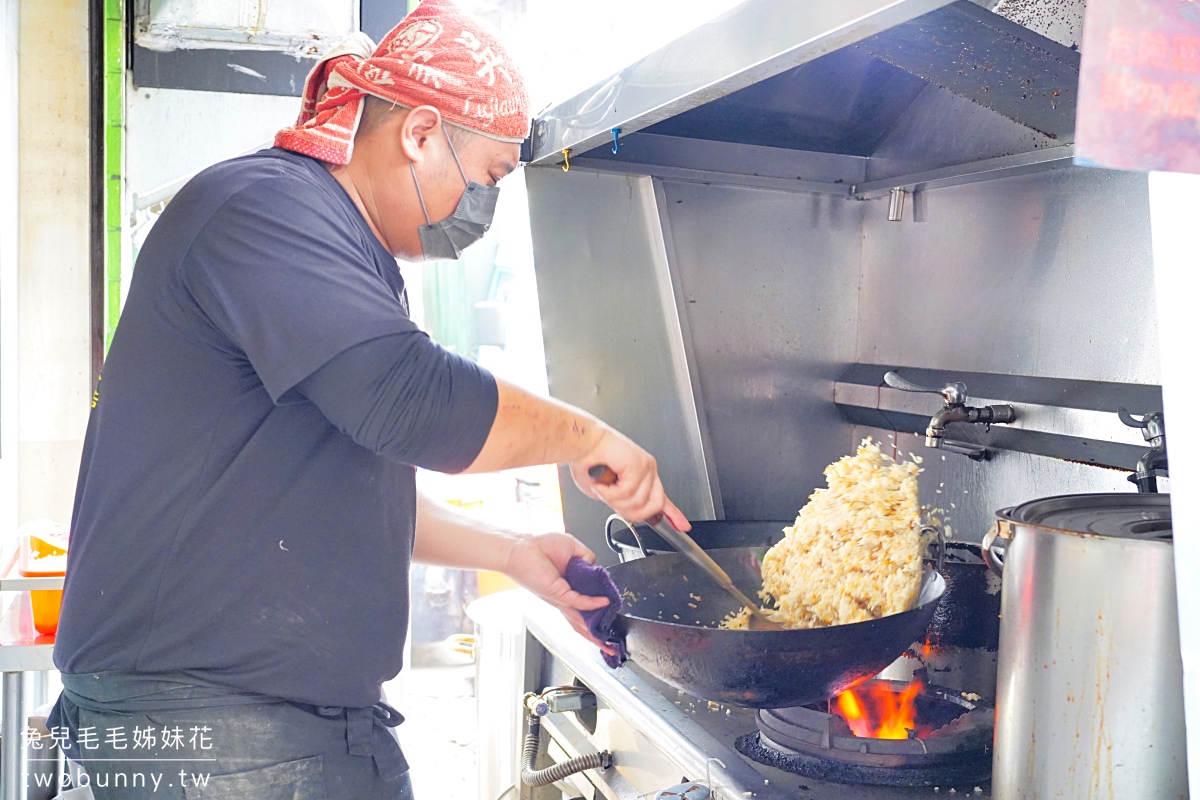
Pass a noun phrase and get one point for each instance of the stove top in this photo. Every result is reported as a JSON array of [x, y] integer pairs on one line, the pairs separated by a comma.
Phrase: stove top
[[728, 724], [945, 740], [700, 737]]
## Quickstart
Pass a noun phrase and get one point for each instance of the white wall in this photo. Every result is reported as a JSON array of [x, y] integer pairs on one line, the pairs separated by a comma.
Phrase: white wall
[[1174, 209], [171, 133], [54, 372], [9, 33]]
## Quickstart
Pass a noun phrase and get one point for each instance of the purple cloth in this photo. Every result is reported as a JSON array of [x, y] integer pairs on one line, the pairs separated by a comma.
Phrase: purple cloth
[[593, 580]]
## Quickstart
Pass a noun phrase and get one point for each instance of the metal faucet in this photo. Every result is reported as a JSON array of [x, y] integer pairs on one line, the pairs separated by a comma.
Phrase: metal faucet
[[1154, 460], [955, 410]]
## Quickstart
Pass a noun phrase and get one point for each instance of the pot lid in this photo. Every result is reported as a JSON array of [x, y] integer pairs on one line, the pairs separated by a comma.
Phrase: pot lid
[[1124, 516]]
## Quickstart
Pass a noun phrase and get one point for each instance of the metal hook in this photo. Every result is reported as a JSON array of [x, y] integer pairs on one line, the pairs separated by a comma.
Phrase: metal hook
[[1130, 419], [566, 160], [616, 145]]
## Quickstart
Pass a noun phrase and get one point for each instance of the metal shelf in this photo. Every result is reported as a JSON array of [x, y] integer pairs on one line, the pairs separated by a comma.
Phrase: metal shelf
[[22, 648], [11, 579], [972, 172]]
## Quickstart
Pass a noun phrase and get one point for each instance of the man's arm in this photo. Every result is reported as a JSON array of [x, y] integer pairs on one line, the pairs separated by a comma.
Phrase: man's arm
[[406, 398], [530, 430], [447, 537]]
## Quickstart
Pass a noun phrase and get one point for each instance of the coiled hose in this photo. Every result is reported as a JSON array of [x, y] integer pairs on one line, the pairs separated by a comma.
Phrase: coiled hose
[[544, 777]]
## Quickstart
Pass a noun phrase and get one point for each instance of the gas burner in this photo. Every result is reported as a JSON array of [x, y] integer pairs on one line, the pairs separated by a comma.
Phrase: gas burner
[[937, 738]]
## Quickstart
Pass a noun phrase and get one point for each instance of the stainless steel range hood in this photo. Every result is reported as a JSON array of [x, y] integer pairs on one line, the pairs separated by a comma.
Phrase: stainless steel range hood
[[740, 255], [894, 88]]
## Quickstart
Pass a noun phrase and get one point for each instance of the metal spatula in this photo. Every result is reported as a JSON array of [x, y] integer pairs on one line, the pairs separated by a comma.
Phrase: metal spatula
[[759, 621]]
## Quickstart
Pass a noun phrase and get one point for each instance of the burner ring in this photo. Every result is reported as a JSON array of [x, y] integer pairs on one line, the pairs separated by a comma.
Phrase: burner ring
[[966, 768], [816, 743]]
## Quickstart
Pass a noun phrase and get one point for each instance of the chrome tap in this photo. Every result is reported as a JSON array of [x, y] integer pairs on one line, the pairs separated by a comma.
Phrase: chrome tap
[[1154, 460], [955, 410]]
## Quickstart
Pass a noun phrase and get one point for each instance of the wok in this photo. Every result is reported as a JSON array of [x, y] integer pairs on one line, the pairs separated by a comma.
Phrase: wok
[[709, 534], [668, 624]]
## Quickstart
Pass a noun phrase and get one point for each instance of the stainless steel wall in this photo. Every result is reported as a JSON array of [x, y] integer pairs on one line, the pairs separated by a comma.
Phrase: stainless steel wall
[[1047, 274], [616, 344], [770, 280]]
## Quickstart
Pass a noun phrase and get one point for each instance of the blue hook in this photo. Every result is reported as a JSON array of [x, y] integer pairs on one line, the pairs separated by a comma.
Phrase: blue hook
[[616, 145]]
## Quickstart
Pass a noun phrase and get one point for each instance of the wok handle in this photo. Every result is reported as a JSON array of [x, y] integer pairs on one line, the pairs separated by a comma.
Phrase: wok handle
[[938, 538], [617, 641], [608, 533], [602, 474], [994, 542], [613, 544]]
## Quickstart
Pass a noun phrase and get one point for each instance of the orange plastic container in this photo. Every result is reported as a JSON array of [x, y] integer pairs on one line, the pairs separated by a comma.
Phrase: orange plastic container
[[46, 605], [44, 555]]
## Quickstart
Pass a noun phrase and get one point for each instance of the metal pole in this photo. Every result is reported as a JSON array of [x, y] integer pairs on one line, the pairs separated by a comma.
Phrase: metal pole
[[896, 206], [39, 688], [10, 731]]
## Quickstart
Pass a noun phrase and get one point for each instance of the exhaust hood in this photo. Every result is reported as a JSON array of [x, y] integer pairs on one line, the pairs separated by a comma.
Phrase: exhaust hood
[[847, 97]]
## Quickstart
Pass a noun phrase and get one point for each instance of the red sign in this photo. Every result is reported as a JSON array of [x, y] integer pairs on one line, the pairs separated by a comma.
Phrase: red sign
[[1139, 86]]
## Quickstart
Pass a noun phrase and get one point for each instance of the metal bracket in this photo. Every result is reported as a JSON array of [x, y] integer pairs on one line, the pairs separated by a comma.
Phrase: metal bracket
[[558, 699]]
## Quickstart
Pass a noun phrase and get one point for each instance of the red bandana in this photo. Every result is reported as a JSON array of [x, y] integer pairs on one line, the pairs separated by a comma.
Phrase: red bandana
[[438, 56]]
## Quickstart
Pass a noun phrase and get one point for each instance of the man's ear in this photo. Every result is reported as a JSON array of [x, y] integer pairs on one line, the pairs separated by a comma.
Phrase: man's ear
[[419, 127]]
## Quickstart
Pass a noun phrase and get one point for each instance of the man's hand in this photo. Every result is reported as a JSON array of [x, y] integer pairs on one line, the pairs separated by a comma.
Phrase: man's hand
[[638, 493], [447, 537], [538, 562]]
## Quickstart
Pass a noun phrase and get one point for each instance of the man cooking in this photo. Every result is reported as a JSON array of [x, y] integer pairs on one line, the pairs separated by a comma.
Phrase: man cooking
[[246, 514]]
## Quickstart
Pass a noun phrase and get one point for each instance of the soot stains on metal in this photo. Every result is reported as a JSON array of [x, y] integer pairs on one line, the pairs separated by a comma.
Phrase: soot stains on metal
[[989, 60], [969, 612], [1060, 20]]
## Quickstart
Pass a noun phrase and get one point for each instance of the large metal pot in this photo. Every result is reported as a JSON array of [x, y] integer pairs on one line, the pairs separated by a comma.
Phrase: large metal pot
[[1090, 681]]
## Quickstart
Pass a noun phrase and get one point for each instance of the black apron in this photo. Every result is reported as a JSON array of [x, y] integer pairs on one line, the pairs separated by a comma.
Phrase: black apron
[[244, 724]]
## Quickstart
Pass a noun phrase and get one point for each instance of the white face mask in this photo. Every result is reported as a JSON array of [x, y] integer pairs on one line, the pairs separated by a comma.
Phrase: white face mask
[[469, 222]]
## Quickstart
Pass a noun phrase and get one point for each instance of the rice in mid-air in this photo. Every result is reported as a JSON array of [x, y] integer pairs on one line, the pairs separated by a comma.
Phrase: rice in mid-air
[[854, 552]]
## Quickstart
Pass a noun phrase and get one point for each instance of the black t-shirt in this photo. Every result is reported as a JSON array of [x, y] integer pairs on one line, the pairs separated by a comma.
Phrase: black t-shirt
[[223, 524]]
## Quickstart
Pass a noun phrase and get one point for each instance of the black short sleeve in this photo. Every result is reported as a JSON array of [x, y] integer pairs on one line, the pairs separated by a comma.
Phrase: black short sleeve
[[407, 398], [289, 282]]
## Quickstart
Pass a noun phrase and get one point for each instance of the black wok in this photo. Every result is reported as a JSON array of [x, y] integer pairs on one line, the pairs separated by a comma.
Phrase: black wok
[[642, 541], [669, 620]]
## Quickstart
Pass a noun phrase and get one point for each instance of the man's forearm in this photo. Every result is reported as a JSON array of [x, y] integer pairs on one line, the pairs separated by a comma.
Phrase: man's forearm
[[530, 430], [446, 537]]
